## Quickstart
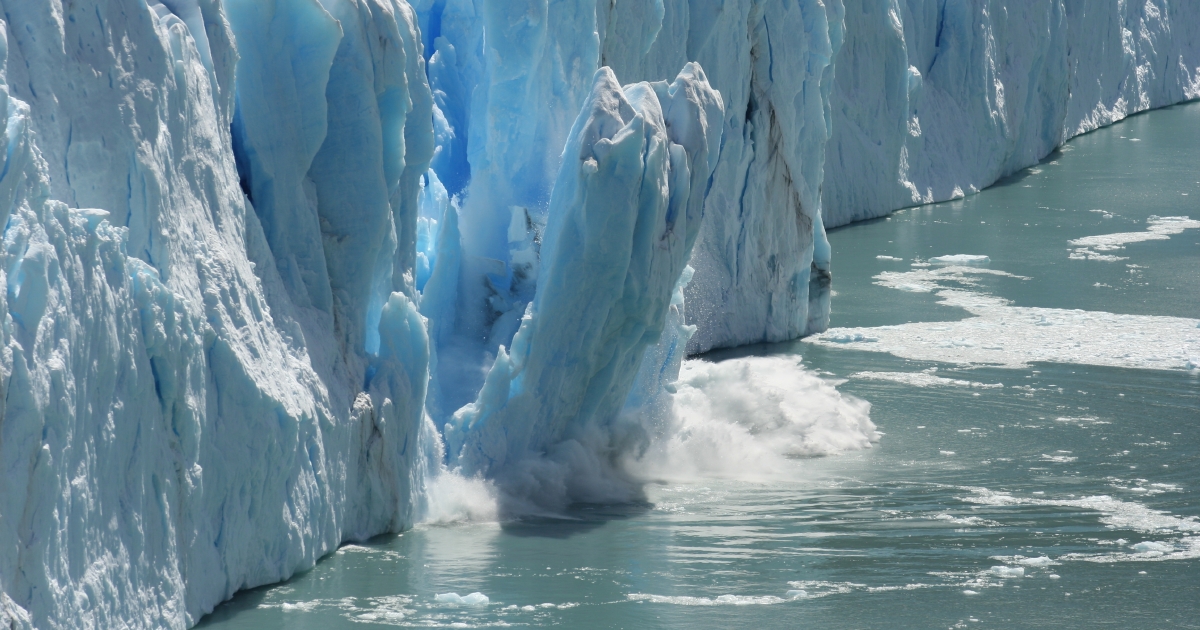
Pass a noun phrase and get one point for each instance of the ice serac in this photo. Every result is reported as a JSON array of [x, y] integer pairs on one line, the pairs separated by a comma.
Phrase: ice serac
[[934, 100], [184, 417], [624, 215]]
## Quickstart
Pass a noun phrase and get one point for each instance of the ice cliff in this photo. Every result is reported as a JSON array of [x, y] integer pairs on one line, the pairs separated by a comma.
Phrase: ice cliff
[[191, 406], [936, 99], [272, 267]]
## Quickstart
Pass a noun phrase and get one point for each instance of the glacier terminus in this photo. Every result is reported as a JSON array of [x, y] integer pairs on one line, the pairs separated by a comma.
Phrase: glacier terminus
[[278, 273]]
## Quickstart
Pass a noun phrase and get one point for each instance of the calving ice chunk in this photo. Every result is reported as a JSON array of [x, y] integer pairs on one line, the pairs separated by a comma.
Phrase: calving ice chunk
[[624, 215]]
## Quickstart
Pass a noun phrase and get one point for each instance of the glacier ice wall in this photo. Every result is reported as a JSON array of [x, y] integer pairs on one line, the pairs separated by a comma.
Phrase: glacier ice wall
[[504, 75], [191, 405], [762, 260], [934, 99]]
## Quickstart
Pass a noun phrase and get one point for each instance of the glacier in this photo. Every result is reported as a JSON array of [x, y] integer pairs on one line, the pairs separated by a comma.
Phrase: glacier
[[934, 100], [278, 271]]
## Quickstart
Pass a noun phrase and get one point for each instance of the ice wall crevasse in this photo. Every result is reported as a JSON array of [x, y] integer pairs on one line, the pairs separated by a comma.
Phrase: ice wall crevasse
[[508, 80], [176, 426], [625, 212], [935, 100]]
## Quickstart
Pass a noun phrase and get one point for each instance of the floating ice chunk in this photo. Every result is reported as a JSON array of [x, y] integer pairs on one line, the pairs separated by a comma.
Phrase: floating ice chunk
[[974, 521], [970, 592], [723, 600], [796, 593], [1007, 572], [1150, 546], [848, 338], [1036, 562], [1158, 229], [474, 599], [888, 258], [961, 259], [923, 379]]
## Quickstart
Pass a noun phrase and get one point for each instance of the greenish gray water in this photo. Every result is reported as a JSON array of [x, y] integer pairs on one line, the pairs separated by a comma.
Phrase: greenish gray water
[[1055, 487]]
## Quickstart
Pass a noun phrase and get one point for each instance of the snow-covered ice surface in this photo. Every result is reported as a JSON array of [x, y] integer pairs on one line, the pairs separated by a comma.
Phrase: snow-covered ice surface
[[934, 100]]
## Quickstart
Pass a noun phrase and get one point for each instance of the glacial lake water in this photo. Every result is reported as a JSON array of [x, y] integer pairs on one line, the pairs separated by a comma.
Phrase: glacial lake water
[[1039, 468]]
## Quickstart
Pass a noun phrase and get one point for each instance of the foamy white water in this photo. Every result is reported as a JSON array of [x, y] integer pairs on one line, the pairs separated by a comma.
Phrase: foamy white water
[[749, 418]]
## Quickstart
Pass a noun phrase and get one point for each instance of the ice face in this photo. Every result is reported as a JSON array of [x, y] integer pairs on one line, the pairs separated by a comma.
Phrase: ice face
[[184, 417], [761, 260], [935, 100]]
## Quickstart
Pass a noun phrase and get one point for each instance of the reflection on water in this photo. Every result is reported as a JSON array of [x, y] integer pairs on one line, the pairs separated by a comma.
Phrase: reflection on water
[[1038, 491], [452, 557]]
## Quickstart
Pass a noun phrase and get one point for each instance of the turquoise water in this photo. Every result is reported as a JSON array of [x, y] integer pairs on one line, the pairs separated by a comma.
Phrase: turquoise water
[[1056, 487]]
